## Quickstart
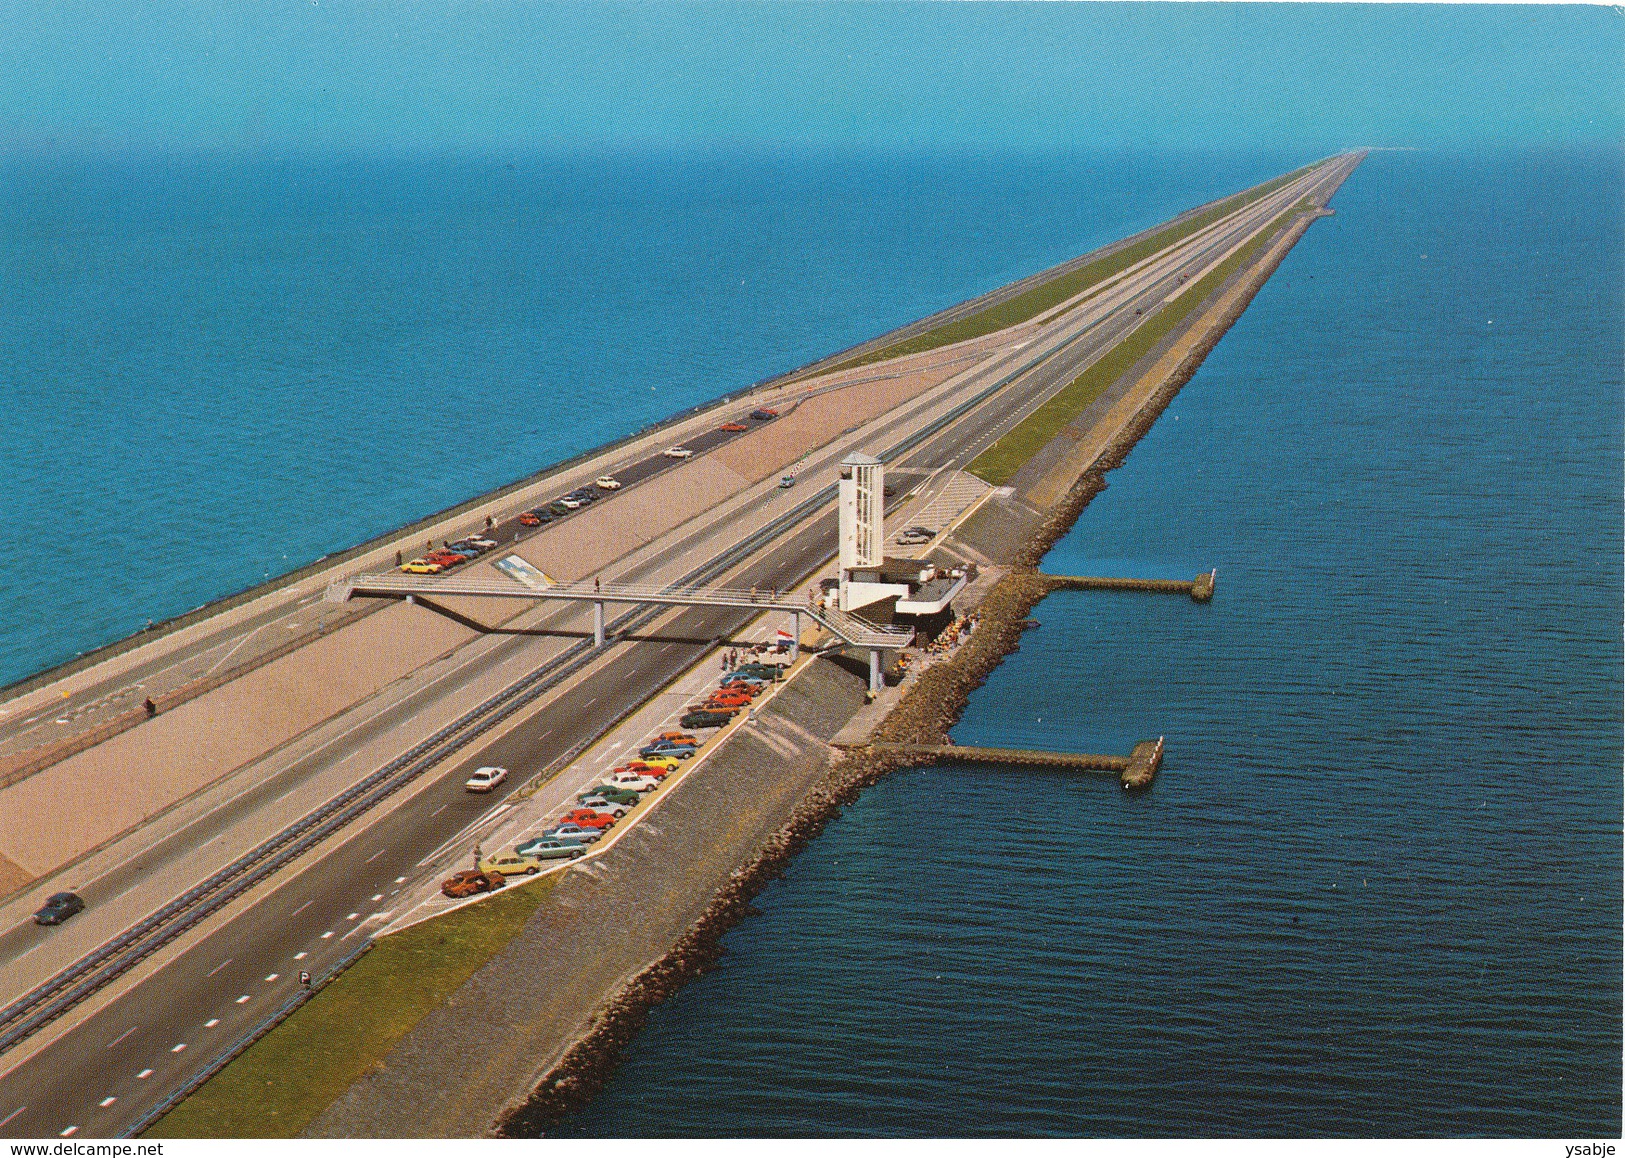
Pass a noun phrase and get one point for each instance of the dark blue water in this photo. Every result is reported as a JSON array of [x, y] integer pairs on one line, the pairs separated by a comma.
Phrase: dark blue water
[[216, 370], [1376, 890]]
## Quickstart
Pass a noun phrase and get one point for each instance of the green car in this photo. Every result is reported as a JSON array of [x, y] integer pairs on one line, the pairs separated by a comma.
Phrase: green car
[[611, 793]]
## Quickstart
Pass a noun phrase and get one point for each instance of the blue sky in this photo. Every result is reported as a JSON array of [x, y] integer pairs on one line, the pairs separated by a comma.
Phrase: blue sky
[[494, 75]]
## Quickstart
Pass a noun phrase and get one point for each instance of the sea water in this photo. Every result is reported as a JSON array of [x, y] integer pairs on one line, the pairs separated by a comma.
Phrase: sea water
[[1376, 888]]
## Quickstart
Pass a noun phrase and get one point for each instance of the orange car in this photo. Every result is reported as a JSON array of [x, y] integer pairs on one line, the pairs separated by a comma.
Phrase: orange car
[[677, 738], [733, 427], [468, 882]]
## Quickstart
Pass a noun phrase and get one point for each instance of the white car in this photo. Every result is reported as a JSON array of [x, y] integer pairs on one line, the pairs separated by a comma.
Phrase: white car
[[569, 503], [482, 544], [485, 779], [633, 781], [678, 452], [606, 483]]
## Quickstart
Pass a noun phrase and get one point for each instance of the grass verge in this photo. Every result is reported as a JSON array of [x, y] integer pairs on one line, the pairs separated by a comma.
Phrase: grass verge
[[1052, 293], [999, 462], [281, 1082]]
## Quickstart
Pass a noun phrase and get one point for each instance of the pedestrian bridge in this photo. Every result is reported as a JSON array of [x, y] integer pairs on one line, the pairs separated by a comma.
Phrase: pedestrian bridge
[[849, 629]]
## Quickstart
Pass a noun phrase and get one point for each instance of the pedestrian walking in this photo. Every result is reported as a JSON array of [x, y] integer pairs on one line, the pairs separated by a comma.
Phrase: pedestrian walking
[[596, 585], [399, 558], [489, 522]]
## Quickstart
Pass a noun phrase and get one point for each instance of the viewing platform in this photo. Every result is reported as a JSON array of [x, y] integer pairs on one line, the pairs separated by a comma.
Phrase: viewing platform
[[1136, 770], [1199, 589]]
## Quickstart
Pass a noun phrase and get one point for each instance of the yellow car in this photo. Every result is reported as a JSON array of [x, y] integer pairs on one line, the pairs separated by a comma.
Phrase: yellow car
[[420, 567], [669, 763]]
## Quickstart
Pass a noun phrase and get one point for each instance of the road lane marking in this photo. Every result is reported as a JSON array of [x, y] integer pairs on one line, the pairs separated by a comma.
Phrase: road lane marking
[[302, 908], [327, 934], [375, 856], [400, 880], [301, 955], [273, 976], [177, 1048], [378, 896], [352, 916], [12, 1115], [211, 1023], [112, 1043], [144, 1074], [105, 1102], [243, 999], [439, 810], [218, 967], [69, 1132]]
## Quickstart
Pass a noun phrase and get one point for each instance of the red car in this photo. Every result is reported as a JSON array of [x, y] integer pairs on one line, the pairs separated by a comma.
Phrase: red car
[[587, 818], [764, 414], [733, 427], [718, 709], [653, 771], [529, 519], [445, 558]]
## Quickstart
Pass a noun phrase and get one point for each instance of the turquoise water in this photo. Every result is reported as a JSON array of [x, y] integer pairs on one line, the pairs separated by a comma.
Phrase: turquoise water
[[1376, 890], [214, 371]]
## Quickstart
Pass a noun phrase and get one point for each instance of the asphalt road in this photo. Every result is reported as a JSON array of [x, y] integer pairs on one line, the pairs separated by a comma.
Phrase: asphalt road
[[124, 1058]]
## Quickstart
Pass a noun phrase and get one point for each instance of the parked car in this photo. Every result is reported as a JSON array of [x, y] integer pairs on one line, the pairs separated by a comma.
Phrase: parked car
[[588, 818], [764, 414], [733, 427], [606, 482], [581, 834], [511, 864], [635, 781], [59, 907], [465, 552], [736, 679], [604, 805], [625, 797], [530, 519], [586, 496], [558, 509], [485, 779], [677, 737], [550, 848], [787, 482], [662, 752], [468, 882], [422, 567], [446, 559], [568, 502], [711, 709], [482, 544], [656, 767], [700, 719], [678, 452]]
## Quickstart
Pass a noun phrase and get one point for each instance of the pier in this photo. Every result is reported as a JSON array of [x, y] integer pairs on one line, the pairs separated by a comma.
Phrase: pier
[[1136, 770], [1199, 589]]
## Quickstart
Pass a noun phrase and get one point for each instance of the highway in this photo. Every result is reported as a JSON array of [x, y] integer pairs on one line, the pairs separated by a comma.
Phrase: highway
[[100, 1069]]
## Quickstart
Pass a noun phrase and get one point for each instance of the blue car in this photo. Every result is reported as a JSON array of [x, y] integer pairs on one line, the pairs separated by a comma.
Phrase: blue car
[[679, 751], [741, 677]]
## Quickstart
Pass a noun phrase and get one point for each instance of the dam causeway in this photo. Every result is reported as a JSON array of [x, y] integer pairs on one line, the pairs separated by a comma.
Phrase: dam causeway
[[1136, 770]]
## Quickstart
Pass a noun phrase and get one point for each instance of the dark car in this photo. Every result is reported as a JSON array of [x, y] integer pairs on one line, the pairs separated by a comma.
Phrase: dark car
[[558, 509], [733, 427], [764, 414], [58, 908], [705, 719]]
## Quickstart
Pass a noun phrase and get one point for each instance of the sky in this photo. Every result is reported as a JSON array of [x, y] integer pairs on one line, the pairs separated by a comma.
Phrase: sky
[[492, 75]]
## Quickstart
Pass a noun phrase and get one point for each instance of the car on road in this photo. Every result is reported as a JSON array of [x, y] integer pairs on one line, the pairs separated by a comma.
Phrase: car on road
[[470, 881], [678, 452], [550, 848], [579, 833], [704, 719], [912, 537], [764, 414], [787, 482], [605, 482], [485, 779], [59, 907], [511, 864], [605, 804], [733, 427], [422, 567], [588, 818]]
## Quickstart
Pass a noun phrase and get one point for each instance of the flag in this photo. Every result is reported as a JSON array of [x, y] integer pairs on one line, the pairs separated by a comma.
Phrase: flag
[[785, 640]]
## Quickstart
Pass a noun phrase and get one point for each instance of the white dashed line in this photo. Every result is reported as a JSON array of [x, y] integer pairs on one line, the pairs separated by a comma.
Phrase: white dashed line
[[375, 856], [218, 967], [144, 1074], [400, 880], [243, 1000], [327, 934], [301, 955], [273, 976], [105, 1102], [378, 897], [112, 1043], [352, 916], [301, 908], [439, 810], [177, 1048], [211, 1023], [12, 1115], [69, 1132]]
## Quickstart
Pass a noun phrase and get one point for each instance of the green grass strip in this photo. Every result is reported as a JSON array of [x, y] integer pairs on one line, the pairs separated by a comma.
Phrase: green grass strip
[[999, 462], [281, 1082], [1039, 298]]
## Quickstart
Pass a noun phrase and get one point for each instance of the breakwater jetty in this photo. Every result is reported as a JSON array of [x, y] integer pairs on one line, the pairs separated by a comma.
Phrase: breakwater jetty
[[1135, 770], [1199, 589]]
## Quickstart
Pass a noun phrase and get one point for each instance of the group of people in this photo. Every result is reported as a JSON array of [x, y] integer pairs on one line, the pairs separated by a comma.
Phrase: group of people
[[950, 637]]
